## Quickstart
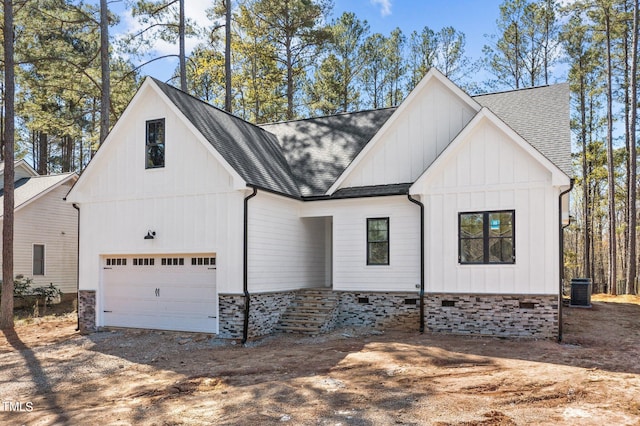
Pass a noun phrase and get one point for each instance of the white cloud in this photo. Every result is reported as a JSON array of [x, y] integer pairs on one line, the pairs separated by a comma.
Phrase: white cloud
[[385, 6]]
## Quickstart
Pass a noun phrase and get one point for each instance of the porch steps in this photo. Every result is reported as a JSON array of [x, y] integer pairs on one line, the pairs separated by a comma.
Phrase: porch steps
[[310, 312]]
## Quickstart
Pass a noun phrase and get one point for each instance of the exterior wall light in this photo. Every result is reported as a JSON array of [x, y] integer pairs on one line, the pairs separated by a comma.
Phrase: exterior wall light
[[150, 235]]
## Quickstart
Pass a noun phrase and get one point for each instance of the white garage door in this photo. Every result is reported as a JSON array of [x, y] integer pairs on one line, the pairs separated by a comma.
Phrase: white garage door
[[161, 292]]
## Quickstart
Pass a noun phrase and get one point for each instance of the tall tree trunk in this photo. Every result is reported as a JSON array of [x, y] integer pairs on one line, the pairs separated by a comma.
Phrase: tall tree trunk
[[2, 109], [67, 153], [183, 54], [633, 102], [585, 180], [610, 166], [6, 302], [43, 153], [517, 57], [105, 96], [227, 57], [290, 85]]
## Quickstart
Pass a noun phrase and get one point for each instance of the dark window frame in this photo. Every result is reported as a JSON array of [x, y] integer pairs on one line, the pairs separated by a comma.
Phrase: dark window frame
[[386, 241], [155, 144], [486, 237], [39, 267]]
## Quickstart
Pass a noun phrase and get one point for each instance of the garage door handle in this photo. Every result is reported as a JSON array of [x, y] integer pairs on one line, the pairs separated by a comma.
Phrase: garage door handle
[[107, 268], [211, 317], [157, 292], [107, 311]]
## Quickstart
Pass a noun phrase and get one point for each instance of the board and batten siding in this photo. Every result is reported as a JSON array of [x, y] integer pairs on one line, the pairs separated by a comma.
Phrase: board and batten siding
[[414, 139], [488, 171], [286, 252], [50, 221], [349, 252], [191, 203]]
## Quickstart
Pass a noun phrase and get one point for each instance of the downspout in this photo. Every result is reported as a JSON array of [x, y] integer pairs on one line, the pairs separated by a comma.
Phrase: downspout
[[75, 206], [245, 269], [413, 200], [561, 257]]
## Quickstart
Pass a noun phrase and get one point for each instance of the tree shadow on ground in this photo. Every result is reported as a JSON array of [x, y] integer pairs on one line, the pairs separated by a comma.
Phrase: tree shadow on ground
[[44, 398]]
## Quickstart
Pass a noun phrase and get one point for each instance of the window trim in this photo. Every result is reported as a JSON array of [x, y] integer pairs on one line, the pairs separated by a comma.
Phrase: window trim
[[388, 241], [485, 237], [44, 259], [148, 145]]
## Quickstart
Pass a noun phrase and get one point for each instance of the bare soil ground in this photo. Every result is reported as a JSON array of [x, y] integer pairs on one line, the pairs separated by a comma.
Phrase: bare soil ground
[[49, 374]]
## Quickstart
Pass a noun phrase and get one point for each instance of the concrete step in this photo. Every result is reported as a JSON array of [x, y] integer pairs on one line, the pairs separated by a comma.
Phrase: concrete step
[[308, 313], [303, 322], [299, 330]]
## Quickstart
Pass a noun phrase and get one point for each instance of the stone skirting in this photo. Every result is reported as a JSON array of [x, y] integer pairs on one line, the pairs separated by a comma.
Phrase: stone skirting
[[530, 316], [264, 313], [87, 311], [385, 310]]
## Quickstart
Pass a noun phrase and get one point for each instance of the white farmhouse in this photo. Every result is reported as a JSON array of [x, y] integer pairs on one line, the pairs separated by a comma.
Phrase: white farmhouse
[[442, 214]]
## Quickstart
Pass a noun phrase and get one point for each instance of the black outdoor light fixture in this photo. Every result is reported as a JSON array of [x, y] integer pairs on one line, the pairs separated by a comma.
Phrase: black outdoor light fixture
[[150, 235]]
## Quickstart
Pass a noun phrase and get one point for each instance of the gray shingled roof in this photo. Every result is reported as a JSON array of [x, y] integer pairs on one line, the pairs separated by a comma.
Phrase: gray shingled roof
[[28, 188], [303, 158], [320, 149], [373, 190], [252, 152], [540, 115]]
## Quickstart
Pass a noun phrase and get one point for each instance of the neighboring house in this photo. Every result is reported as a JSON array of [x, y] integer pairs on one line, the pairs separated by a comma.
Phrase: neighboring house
[[443, 213], [45, 242]]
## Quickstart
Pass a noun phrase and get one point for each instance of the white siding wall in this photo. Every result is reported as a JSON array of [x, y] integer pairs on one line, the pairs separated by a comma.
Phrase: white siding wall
[[285, 251], [415, 139], [350, 269], [54, 223], [190, 203], [488, 171]]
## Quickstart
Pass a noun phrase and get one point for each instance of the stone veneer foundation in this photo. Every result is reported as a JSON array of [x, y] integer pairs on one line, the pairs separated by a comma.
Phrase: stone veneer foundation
[[530, 316], [264, 313], [87, 311], [388, 310]]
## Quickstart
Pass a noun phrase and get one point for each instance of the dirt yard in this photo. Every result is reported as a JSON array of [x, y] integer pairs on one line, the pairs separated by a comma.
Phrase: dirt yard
[[49, 374]]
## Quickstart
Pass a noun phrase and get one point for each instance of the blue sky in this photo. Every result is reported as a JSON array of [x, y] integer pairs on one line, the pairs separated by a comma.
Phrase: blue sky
[[475, 18]]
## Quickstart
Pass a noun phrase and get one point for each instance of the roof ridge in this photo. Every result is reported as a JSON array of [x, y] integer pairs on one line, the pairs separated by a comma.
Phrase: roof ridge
[[520, 89], [328, 116]]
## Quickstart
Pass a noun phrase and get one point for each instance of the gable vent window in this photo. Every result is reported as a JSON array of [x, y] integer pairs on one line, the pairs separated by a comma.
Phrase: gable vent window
[[203, 261], [116, 261], [144, 261], [155, 144], [172, 261]]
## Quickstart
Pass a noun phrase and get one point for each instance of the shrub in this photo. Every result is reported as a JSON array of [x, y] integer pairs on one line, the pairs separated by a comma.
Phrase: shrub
[[22, 289]]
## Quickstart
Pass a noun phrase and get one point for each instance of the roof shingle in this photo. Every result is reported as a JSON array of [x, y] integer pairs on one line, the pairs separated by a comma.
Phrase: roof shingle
[[540, 115], [252, 152], [303, 158], [319, 149]]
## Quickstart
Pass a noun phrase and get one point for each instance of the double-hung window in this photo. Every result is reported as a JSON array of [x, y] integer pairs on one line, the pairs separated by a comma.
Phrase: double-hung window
[[486, 237], [378, 241], [155, 144]]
